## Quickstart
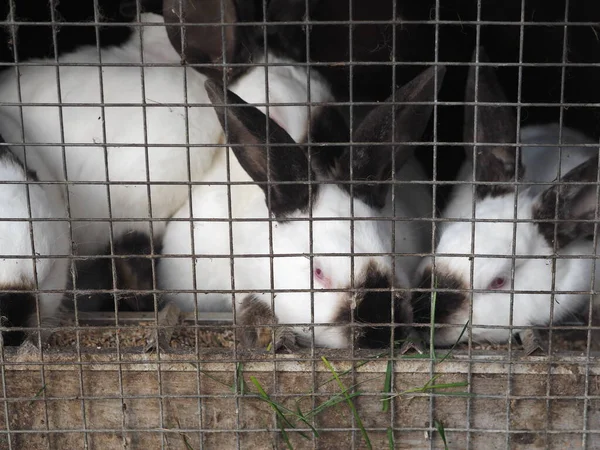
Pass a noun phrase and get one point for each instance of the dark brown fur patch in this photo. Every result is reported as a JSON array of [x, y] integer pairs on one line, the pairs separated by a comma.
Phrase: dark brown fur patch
[[375, 304], [259, 325], [446, 304], [205, 44]]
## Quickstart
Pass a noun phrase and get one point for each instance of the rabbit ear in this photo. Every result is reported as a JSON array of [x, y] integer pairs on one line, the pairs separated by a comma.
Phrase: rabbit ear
[[204, 43], [386, 124], [328, 126], [569, 203], [496, 125], [285, 162]]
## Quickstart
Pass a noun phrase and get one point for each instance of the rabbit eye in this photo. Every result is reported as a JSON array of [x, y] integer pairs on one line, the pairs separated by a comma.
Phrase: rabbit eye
[[319, 274], [498, 283]]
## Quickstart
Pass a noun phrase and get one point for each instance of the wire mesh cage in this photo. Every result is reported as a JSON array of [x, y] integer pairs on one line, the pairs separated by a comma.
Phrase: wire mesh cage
[[299, 224]]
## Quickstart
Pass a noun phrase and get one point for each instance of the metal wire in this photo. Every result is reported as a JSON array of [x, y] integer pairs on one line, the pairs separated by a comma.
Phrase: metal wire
[[241, 396]]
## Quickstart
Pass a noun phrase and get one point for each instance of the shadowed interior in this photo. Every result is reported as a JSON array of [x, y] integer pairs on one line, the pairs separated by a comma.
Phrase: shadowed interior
[[16, 308]]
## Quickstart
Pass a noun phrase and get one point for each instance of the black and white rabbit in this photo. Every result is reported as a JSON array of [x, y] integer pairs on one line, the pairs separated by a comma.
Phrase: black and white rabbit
[[534, 242], [144, 137], [34, 248], [307, 221]]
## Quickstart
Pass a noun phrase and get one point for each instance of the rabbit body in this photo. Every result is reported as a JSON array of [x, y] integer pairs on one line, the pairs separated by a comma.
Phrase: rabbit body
[[533, 273], [125, 159], [212, 245], [122, 156], [45, 237], [545, 286], [244, 230]]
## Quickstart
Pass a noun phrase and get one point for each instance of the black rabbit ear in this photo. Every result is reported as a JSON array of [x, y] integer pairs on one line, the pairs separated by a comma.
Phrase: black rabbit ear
[[284, 162], [192, 31], [569, 203], [397, 123], [496, 125], [328, 126]]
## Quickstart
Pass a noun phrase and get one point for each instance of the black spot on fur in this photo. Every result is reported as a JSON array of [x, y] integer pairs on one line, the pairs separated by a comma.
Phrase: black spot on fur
[[375, 304], [446, 304], [15, 310]]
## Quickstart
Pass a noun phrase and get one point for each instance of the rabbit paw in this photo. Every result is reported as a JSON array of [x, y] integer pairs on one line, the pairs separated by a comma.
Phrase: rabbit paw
[[168, 318], [260, 330], [532, 342], [29, 350], [412, 342]]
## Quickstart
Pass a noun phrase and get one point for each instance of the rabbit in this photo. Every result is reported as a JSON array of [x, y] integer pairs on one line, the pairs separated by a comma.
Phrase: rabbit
[[33, 223], [293, 207], [534, 241], [129, 126]]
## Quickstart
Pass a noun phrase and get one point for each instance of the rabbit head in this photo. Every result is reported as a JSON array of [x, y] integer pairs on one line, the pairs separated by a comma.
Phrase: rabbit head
[[316, 244], [494, 261]]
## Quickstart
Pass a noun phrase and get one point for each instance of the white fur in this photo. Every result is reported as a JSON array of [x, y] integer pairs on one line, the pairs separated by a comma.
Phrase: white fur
[[212, 265], [129, 127], [50, 238], [496, 238]]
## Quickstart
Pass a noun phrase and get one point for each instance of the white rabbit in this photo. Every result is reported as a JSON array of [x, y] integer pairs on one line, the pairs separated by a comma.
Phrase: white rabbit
[[143, 144], [50, 247], [493, 241], [327, 207]]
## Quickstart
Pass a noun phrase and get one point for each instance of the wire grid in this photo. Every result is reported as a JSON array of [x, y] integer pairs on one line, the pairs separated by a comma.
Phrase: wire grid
[[506, 370]]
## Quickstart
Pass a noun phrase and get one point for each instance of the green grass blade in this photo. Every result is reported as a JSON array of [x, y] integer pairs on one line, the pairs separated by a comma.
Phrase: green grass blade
[[285, 436], [387, 386], [37, 395], [432, 322], [304, 419], [184, 437], [350, 403], [390, 436], [279, 409], [206, 374], [240, 385], [335, 400], [439, 426], [455, 343]]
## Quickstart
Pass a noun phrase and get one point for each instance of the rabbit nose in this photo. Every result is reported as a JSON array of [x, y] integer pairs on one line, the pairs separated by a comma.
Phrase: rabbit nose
[[379, 314], [448, 295]]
